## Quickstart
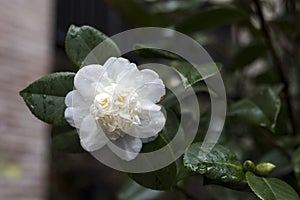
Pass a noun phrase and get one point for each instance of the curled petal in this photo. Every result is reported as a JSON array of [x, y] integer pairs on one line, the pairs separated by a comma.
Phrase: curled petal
[[149, 139], [118, 67], [148, 105], [126, 148], [86, 79], [152, 91], [149, 75], [75, 115], [152, 122], [91, 136], [74, 99]]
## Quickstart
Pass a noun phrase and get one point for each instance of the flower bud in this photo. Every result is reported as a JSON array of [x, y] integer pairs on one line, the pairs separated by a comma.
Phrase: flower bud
[[264, 169], [249, 166]]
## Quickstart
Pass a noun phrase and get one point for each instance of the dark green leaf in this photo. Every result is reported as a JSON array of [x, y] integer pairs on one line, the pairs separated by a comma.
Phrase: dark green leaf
[[66, 139], [209, 18], [134, 191], [170, 98], [270, 188], [296, 165], [152, 52], [190, 74], [136, 13], [218, 164], [45, 97], [164, 178], [80, 41], [262, 109]]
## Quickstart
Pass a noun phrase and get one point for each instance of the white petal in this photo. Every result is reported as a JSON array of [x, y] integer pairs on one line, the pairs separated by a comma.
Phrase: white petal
[[75, 115], [152, 122], [69, 116], [149, 139], [149, 75], [152, 91], [86, 80], [74, 99], [117, 67], [148, 105], [91, 136], [127, 147]]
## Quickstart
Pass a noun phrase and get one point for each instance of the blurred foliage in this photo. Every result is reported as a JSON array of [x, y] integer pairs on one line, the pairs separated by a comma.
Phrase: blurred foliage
[[261, 66]]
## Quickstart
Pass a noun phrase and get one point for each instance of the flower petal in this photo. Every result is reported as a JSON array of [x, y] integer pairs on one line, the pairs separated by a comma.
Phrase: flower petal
[[75, 115], [152, 91], [118, 67], [148, 105], [149, 139], [74, 99], [86, 80], [91, 136], [127, 147], [149, 75], [152, 122]]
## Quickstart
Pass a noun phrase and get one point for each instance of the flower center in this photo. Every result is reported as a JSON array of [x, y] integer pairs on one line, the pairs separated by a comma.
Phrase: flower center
[[116, 111]]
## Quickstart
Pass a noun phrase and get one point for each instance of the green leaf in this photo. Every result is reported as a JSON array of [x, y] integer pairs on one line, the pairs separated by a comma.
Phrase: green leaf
[[80, 41], [152, 52], [218, 164], [66, 139], [270, 188], [164, 178], [296, 165], [134, 191], [170, 98], [190, 74], [136, 13], [46, 97], [247, 55], [210, 18], [262, 109]]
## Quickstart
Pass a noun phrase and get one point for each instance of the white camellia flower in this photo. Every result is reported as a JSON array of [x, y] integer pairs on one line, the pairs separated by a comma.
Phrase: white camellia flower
[[115, 104]]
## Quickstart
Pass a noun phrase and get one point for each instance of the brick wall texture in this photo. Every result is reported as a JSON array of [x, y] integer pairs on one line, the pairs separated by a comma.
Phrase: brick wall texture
[[25, 55]]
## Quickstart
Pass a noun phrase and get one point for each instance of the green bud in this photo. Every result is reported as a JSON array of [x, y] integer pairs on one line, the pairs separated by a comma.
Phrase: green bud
[[264, 169], [249, 166]]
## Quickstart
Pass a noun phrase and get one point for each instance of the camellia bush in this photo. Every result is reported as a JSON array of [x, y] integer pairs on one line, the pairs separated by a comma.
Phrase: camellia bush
[[258, 45]]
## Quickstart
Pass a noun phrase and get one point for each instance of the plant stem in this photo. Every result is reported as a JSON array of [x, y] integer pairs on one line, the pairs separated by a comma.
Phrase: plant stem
[[182, 191], [278, 64]]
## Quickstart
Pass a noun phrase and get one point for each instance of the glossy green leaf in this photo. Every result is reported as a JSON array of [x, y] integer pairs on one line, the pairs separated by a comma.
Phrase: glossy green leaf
[[190, 75], [134, 191], [262, 109], [46, 97], [270, 188], [138, 15], [80, 41], [66, 139], [209, 18], [219, 164], [170, 98], [164, 178], [296, 165], [152, 52]]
